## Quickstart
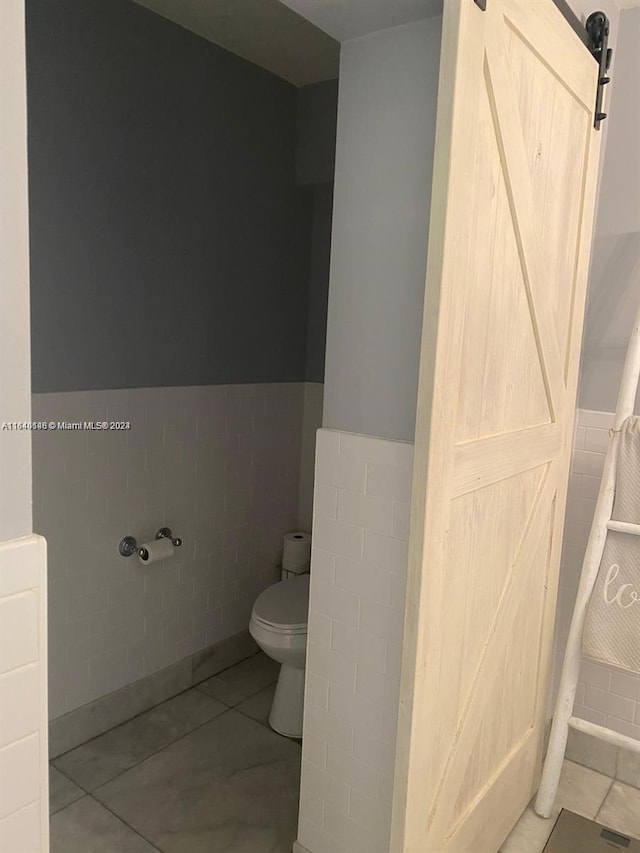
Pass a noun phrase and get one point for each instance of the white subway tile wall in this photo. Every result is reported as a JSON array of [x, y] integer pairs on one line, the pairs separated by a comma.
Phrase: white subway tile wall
[[358, 574], [362, 494], [605, 695], [219, 465], [24, 807]]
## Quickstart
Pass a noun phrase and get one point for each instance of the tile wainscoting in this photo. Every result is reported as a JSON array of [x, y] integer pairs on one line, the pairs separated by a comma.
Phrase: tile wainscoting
[[220, 465], [361, 509], [23, 712], [356, 618]]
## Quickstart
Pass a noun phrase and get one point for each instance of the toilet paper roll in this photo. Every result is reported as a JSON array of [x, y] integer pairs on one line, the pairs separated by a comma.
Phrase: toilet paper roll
[[296, 550], [159, 549]]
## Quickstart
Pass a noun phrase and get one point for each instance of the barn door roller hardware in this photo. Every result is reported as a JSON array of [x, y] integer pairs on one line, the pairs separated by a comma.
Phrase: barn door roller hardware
[[595, 34], [597, 27]]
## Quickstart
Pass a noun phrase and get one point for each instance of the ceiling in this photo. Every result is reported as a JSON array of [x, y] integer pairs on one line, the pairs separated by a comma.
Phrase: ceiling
[[296, 39], [347, 19], [265, 32]]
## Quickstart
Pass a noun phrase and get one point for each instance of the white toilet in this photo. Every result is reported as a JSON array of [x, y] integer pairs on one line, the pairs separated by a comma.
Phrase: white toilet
[[279, 626]]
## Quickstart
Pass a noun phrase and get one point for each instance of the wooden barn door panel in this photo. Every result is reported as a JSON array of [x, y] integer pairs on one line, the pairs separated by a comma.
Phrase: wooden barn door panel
[[510, 233]]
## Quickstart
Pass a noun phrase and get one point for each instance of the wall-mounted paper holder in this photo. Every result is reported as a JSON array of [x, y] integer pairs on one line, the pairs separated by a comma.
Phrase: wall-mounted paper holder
[[129, 545]]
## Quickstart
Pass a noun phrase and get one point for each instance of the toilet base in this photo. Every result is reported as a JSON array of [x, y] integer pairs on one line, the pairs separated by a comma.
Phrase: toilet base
[[288, 702]]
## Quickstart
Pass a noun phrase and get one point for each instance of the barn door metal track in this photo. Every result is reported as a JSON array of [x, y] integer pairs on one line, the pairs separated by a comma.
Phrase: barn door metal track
[[595, 35], [597, 27]]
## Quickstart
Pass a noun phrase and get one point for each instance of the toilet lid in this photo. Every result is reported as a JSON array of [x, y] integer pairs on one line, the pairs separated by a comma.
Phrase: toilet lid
[[284, 604]]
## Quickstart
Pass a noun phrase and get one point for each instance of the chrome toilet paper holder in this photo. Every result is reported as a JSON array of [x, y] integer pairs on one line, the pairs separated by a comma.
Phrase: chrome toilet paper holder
[[129, 544]]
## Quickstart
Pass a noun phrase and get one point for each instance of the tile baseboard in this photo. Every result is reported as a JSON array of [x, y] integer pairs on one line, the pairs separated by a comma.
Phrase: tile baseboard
[[298, 848], [82, 724], [615, 762], [221, 655]]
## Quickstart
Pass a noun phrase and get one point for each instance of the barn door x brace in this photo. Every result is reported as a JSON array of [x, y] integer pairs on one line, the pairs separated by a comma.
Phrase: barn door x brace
[[595, 34]]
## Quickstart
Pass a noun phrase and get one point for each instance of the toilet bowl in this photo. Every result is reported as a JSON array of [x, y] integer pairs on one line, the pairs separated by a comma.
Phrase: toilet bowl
[[279, 626]]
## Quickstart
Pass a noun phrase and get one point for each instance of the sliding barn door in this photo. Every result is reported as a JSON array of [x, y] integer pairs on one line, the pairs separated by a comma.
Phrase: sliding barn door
[[511, 222]]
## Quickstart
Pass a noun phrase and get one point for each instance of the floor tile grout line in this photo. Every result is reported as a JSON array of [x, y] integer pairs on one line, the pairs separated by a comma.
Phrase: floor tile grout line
[[197, 684], [227, 708], [122, 820], [604, 800], [69, 779], [612, 781], [82, 795], [245, 699], [92, 793], [260, 722], [255, 719], [136, 717], [157, 752], [192, 686], [151, 832]]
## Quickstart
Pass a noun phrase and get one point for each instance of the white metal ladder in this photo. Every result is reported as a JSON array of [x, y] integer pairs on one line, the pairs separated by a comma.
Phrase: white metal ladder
[[563, 718]]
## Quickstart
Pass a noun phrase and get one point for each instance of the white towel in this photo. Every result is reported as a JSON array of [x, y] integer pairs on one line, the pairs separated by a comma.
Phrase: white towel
[[612, 629]]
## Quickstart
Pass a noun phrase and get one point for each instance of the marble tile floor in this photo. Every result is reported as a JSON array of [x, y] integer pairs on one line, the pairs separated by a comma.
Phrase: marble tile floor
[[585, 792], [203, 773], [200, 772]]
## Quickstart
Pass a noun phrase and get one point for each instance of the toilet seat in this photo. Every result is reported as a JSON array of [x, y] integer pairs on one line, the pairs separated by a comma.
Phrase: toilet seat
[[284, 606]]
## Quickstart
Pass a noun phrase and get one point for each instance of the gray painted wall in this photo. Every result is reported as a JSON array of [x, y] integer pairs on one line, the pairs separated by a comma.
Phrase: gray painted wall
[[315, 166], [319, 281], [614, 287], [169, 242], [316, 132], [384, 160]]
